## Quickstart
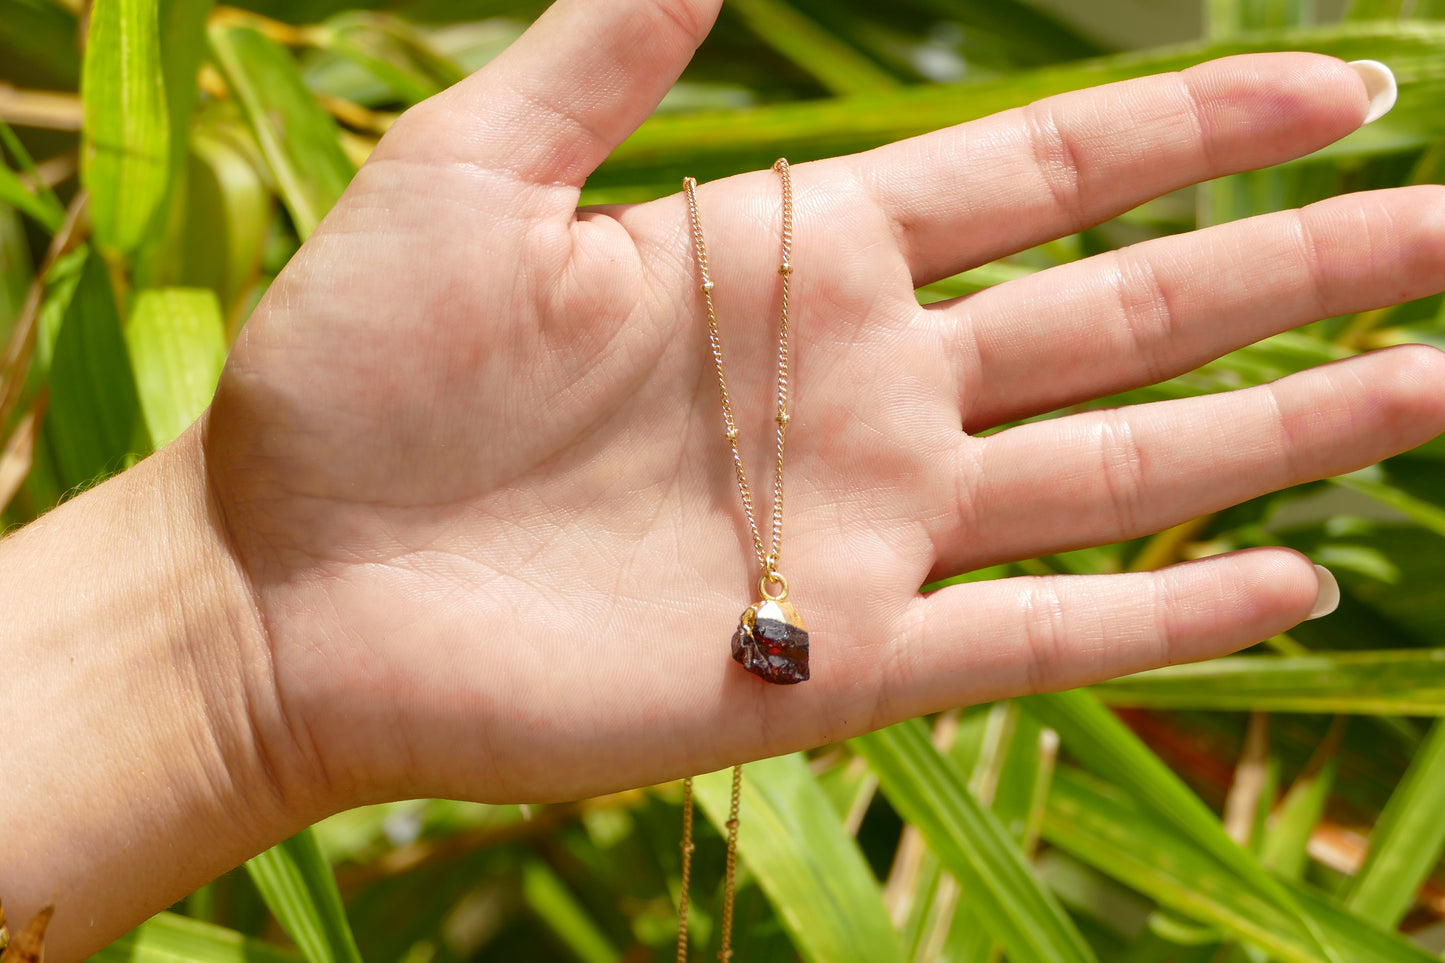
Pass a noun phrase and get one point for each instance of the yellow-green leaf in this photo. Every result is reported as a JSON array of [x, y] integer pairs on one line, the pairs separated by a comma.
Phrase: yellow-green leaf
[[298, 138], [794, 844], [177, 348], [125, 159]]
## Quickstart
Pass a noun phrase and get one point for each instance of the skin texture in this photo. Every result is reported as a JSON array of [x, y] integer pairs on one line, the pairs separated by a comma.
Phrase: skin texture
[[461, 520]]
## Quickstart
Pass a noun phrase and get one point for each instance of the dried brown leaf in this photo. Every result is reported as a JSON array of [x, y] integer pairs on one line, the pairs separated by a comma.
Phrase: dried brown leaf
[[15, 461], [28, 946]]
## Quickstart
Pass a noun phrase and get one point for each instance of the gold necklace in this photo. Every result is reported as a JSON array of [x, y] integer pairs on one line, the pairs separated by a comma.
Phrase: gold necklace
[[771, 640]]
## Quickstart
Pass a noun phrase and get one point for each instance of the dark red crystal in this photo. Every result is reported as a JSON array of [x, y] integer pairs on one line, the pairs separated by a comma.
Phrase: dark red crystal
[[771, 645]]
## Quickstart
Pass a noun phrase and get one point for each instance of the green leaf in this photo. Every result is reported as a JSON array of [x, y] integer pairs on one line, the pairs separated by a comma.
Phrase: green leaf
[[392, 52], [14, 193], [93, 422], [812, 871], [838, 66], [1008, 34], [182, 25], [1093, 735], [177, 346], [296, 882], [716, 143], [1019, 793], [1112, 832], [1286, 845], [1395, 682], [1421, 512], [569, 921], [996, 880], [168, 938], [125, 159], [1407, 840], [15, 269], [219, 238], [299, 140]]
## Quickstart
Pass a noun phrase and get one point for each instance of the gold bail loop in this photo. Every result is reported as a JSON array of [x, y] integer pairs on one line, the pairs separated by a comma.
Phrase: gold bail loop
[[772, 577]]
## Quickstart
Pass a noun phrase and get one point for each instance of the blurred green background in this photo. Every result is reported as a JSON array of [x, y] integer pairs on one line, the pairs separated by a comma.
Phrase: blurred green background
[[164, 158]]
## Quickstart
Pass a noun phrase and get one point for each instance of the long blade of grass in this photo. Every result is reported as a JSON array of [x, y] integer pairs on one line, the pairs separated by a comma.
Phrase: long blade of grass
[[1112, 832], [13, 191], [392, 52], [94, 423], [169, 938], [16, 268], [928, 791], [24, 188], [177, 346], [837, 66], [1421, 512], [125, 159], [220, 240], [182, 25], [569, 921], [1407, 841], [813, 872], [296, 882], [1096, 737], [1393, 682], [298, 138], [1286, 845], [716, 143], [1019, 800]]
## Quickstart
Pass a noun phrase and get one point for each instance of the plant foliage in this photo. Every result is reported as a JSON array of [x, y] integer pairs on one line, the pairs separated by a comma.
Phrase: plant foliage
[[163, 159]]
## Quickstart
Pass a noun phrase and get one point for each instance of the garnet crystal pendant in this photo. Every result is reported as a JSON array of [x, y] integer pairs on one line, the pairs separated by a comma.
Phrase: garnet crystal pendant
[[772, 642]]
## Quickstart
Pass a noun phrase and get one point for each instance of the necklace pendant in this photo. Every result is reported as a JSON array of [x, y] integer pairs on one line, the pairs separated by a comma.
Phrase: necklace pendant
[[772, 642]]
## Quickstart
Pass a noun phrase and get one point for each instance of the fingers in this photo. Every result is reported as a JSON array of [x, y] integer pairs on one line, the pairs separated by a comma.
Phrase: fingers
[[556, 102], [1103, 476], [984, 640], [972, 193], [1149, 312]]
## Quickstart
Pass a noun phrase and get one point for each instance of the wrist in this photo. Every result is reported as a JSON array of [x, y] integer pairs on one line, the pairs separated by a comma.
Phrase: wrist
[[139, 716]]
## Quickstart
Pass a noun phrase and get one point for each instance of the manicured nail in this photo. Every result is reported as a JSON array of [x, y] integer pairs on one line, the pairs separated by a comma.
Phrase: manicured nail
[[1379, 84], [1329, 598]]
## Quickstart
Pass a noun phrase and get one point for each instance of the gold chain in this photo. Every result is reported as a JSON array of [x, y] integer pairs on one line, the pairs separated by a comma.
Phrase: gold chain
[[767, 555], [725, 950]]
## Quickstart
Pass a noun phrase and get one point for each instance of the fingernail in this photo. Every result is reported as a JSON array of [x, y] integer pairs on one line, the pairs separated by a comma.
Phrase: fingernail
[[1379, 85], [1329, 598]]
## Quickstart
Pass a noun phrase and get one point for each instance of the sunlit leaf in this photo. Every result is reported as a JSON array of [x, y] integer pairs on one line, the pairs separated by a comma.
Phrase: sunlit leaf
[[1117, 836], [840, 67], [1407, 840], [549, 898], [177, 347], [714, 143], [93, 424], [810, 868], [1400, 682], [296, 882], [298, 138], [168, 938], [125, 161], [974, 847]]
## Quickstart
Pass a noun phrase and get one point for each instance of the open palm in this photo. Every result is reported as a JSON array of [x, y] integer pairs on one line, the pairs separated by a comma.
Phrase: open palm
[[470, 453]]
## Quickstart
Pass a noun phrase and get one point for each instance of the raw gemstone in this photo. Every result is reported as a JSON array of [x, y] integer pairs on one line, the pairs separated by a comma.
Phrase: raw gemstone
[[772, 642]]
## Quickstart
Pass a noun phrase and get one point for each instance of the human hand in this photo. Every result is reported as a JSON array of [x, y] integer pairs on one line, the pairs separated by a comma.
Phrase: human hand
[[469, 454]]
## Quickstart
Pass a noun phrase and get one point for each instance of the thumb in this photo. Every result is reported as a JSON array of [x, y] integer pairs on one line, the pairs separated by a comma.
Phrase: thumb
[[552, 106]]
